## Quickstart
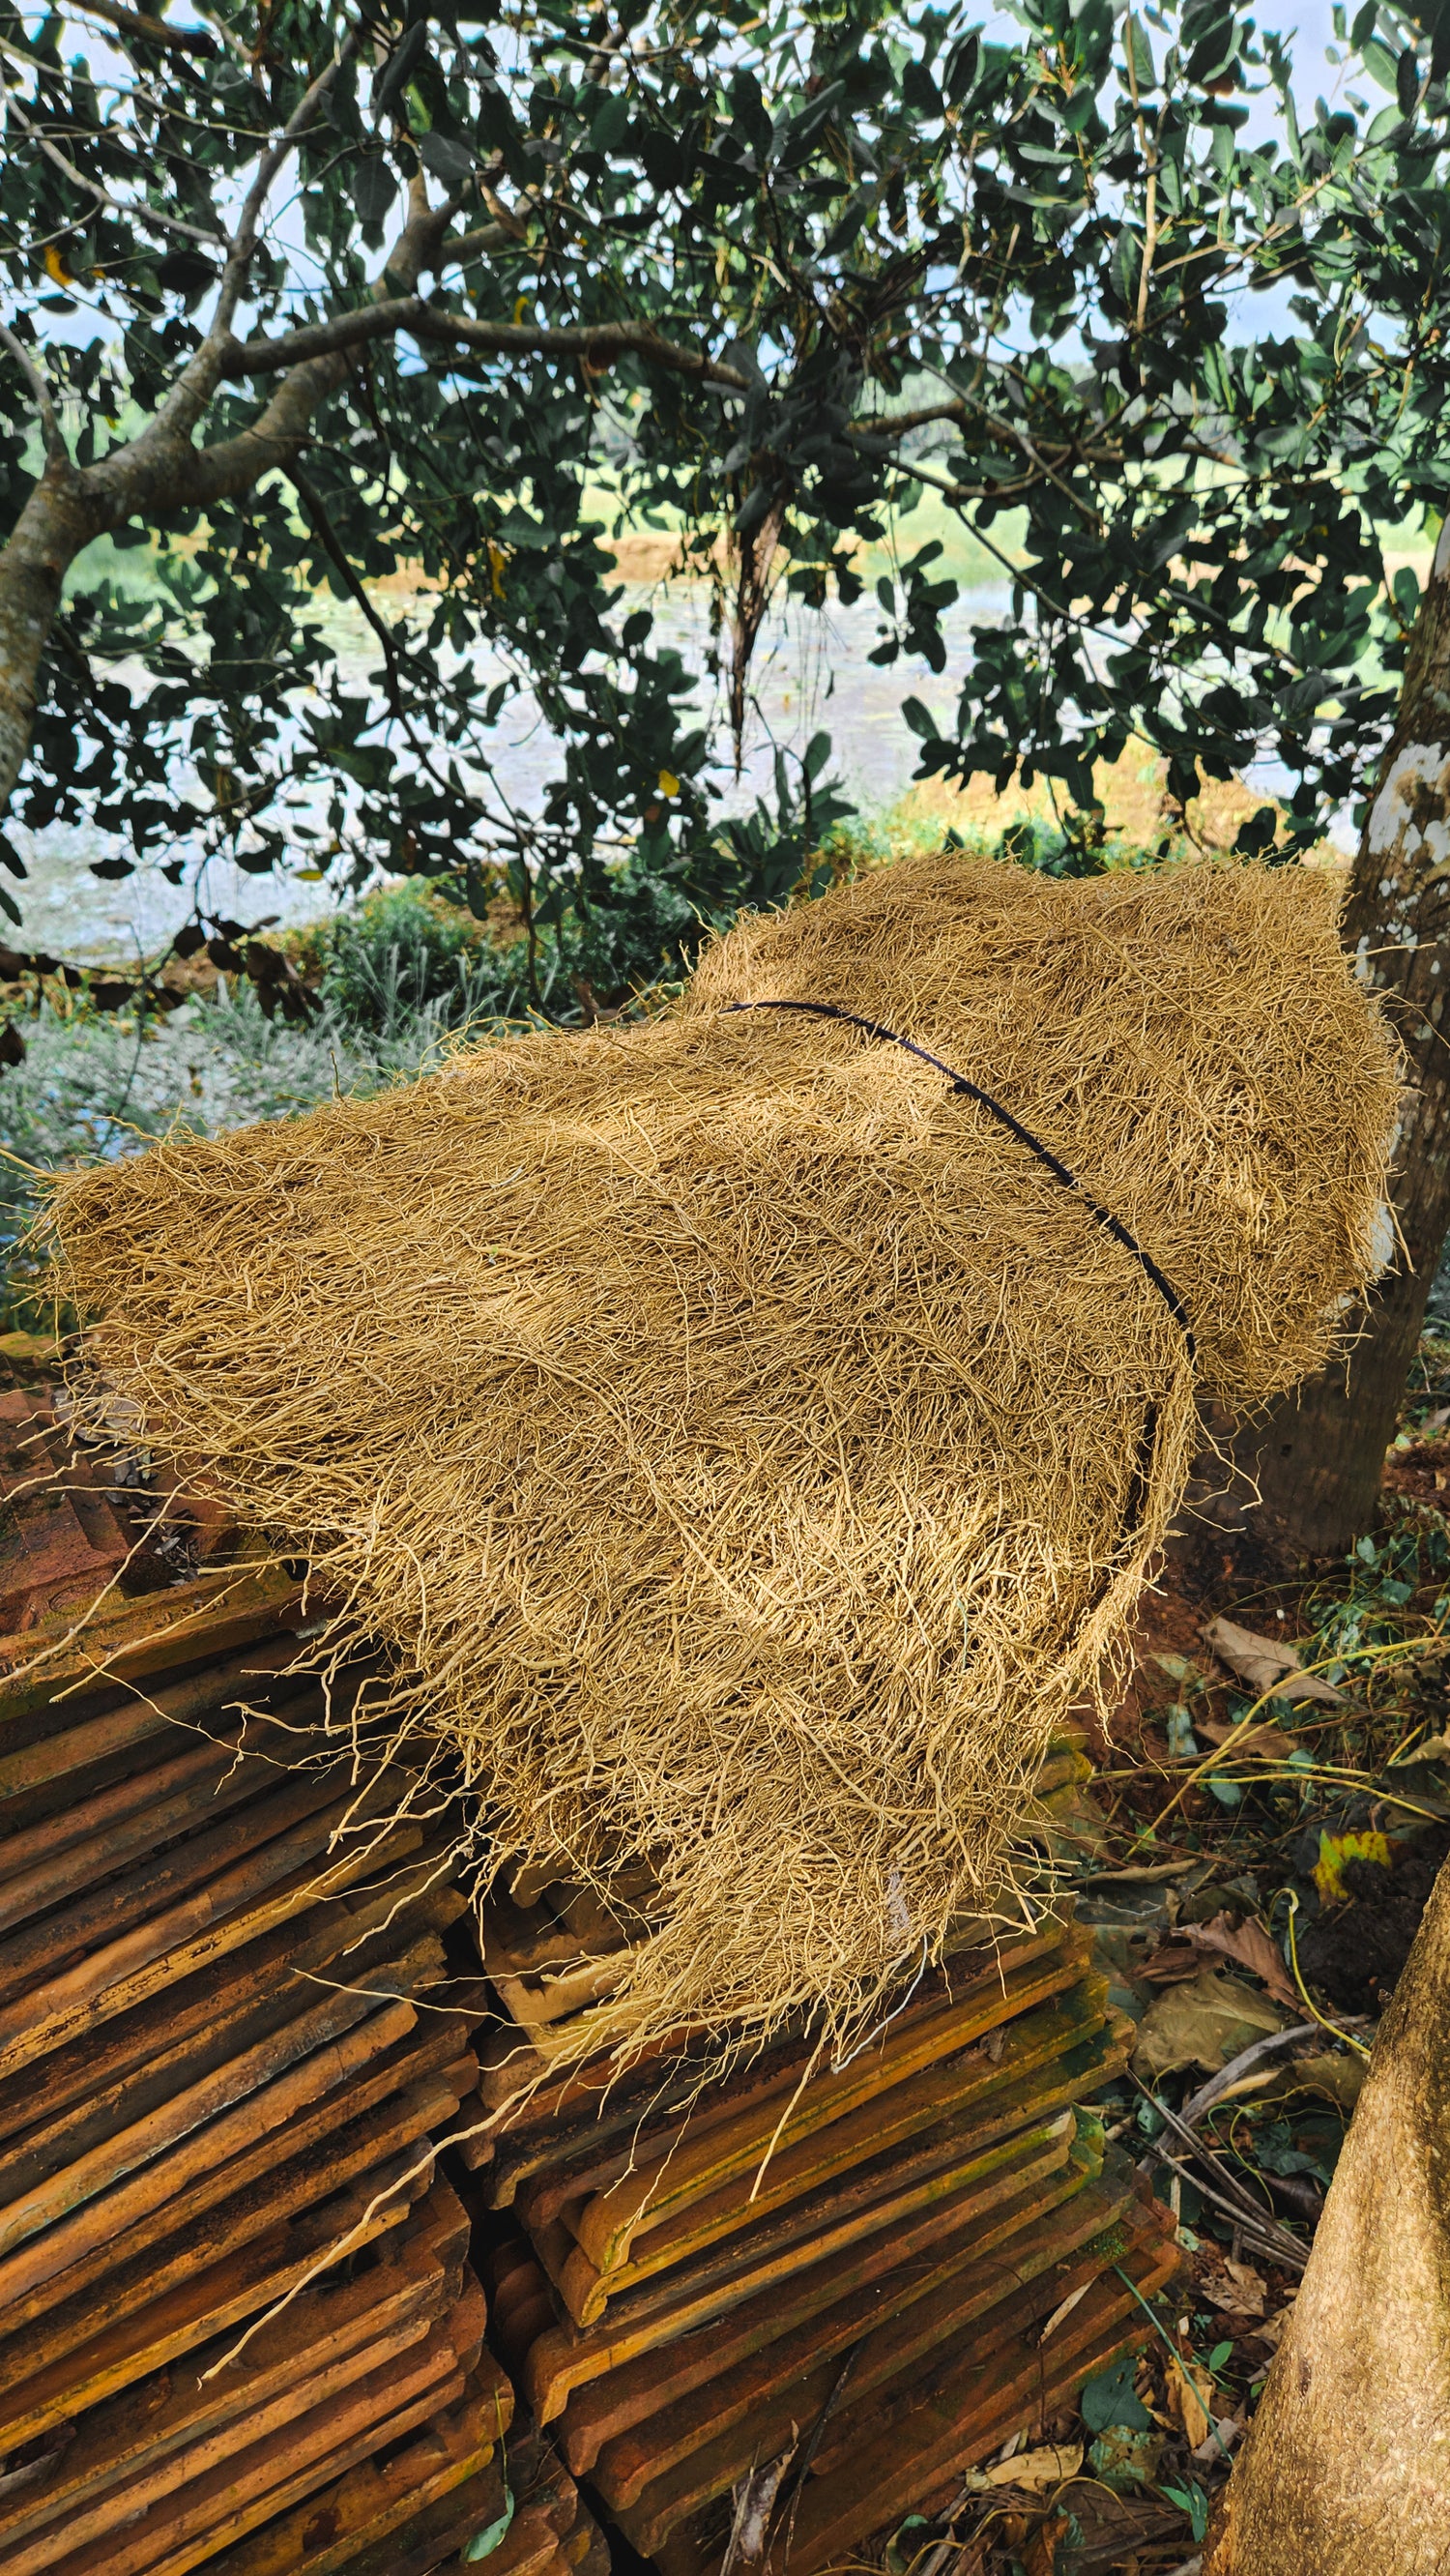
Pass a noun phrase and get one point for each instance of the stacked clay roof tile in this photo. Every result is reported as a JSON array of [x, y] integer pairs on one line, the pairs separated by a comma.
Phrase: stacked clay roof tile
[[755, 2317]]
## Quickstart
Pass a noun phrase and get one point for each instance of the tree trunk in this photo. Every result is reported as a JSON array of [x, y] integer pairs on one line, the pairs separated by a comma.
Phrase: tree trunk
[[57, 520], [160, 473], [1346, 2469], [1319, 1457]]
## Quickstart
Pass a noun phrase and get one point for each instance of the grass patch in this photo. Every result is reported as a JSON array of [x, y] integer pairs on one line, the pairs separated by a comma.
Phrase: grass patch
[[96, 1086]]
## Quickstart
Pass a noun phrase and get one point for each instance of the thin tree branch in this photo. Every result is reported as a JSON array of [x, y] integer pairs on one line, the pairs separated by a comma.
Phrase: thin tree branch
[[971, 491], [196, 477], [601, 60], [171, 40], [468, 246], [239, 258], [134, 213], [1042, 454], [593, 340], [169, 434], [1230, 2194], [55, 446], [896, 424], [1192, 2111], [428, 321]]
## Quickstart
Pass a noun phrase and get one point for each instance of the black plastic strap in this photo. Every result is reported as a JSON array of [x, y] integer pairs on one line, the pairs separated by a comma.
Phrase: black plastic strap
[[973, 1091]]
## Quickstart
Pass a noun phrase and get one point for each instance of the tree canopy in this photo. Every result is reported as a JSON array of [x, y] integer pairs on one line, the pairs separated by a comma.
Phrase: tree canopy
[[310, 294]]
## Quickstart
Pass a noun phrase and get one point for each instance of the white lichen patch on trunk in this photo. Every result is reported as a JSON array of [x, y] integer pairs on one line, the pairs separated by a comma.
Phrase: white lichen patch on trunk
[[1418, 775]]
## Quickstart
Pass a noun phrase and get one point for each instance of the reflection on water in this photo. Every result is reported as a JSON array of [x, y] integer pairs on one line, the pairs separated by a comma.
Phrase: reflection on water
[[811, 672]]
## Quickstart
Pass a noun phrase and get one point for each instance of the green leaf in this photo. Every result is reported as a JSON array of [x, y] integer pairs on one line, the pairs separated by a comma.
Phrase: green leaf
[[447, 158], [1407, 80], [919, 93], [485, 2542], [1258, 832], [374, 187], [610, 123], [962, 66], [1140, 54], [1108, 2398], [400, 67], [1380, 64], [1190, 2499]]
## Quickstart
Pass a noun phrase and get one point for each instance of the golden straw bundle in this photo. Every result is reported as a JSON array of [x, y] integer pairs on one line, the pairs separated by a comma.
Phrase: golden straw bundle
[[746, 1447]]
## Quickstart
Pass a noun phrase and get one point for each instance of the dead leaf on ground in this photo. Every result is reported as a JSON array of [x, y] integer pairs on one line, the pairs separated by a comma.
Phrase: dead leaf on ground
[[1267, 1665], [1203, 2024], [754, 2500], [1251, 1947], [1043, 2548], [1111, 2527], [1270, 1742], [1170, 1963], [972, 2559], [1190, 2397], [1032, 2470], [1236, 2289], [1126, 2452], [1328, 2076], [1431, 1748]]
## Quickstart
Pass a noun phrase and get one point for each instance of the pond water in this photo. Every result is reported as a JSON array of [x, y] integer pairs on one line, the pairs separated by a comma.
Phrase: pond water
[[811, 673]]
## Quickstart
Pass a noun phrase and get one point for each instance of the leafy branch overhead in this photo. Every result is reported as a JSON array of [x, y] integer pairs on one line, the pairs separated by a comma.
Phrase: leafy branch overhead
[[308, 298]]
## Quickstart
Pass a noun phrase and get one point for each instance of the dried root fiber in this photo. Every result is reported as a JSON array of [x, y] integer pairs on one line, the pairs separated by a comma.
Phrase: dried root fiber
[[746, 1447]]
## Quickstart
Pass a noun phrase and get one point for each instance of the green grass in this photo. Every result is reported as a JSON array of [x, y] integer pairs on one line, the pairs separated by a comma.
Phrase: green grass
[[94, 1087]]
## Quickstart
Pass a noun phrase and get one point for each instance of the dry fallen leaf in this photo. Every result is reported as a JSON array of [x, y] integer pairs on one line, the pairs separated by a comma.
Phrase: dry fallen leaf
[[1430, 1748], [1190, 2395], [1327, 2075], [1034, 2470], [1267, 1665], [1270, 1742], [1237, 2290], [1250, 1945], [1170, 1963], [1042, 2549], [1202, 2024]]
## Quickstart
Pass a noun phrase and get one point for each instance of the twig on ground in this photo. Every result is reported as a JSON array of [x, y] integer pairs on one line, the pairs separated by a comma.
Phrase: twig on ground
[[1247, 2059], [1231, 2195]]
